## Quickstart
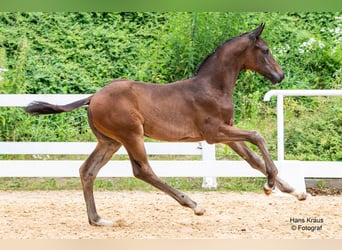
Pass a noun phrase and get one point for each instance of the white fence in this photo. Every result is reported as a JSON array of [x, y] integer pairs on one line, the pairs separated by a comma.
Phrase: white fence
[[292, 171], [207, 166], [280, 94], [307, 168]]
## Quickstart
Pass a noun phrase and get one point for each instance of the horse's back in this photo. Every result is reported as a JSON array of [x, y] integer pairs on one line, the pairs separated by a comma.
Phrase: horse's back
[[162, 110]]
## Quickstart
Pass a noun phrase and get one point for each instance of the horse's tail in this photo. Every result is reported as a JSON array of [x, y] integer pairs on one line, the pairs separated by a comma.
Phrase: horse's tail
[[44, 108]]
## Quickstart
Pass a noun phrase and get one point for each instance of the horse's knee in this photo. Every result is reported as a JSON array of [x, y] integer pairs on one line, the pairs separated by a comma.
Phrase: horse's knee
[[257, 138]]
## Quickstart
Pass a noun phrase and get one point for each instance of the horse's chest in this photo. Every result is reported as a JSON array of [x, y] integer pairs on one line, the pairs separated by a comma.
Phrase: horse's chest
[[224, 110], [226, 115]]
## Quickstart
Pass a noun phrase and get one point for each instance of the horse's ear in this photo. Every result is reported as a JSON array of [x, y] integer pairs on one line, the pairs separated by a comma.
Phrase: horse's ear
[[257, 32]]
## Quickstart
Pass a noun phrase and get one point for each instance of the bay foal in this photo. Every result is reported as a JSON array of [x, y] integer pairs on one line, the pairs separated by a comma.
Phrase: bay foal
[[194, 109]]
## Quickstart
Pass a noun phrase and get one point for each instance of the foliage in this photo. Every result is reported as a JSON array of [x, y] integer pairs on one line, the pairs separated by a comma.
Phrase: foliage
[[313, 135], [81, 52], [72, 52]]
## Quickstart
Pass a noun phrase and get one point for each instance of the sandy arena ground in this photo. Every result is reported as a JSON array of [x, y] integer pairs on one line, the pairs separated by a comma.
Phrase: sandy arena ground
[[145, 215]]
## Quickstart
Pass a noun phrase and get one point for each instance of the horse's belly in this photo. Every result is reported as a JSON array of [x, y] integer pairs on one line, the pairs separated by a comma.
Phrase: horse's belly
[[171, 132]]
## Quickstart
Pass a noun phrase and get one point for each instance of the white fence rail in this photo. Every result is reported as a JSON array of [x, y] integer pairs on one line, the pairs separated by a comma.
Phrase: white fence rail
[[292, 171], [280, 94]]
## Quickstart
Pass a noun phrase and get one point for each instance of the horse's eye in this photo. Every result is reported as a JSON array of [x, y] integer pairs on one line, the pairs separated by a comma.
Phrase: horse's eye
[[265, 51]]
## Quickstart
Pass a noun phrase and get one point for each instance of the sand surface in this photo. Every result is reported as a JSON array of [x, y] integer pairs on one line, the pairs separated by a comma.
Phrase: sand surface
[[146, 215]]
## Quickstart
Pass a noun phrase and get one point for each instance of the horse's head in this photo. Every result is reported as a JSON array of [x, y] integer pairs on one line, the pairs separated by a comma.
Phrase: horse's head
[[259, 57]]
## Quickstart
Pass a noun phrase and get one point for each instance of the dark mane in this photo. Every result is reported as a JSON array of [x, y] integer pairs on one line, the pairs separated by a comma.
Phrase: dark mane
[[210, 55]]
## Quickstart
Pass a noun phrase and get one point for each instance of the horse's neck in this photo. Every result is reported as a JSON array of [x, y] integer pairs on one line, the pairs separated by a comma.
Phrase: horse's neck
[[223, 79], [221, 70]]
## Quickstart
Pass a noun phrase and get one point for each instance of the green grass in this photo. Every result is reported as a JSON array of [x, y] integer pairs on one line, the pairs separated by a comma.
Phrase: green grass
[[124, 184]]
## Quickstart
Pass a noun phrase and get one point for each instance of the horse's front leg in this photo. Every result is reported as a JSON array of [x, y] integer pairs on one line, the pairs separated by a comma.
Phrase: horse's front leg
[[253, 159], [227, 134]]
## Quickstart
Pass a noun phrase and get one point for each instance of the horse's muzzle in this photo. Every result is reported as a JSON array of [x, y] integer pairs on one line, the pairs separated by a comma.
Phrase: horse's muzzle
[[277, 78]]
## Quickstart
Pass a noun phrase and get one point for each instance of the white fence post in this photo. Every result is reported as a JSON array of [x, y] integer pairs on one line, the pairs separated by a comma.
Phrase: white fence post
[[280, 127], [208, 156]]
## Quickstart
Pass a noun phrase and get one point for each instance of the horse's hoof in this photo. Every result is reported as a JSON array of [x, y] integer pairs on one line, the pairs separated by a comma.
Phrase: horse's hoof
[[267, 189], [198, 210], [303, 196], [102, 223]]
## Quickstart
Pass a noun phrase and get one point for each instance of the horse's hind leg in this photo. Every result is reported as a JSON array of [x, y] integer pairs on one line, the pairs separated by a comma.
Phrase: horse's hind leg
[[143, 171], [88, 172], [252, 158]]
